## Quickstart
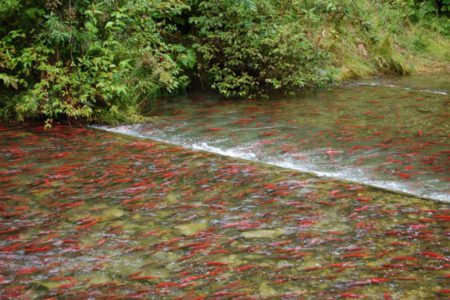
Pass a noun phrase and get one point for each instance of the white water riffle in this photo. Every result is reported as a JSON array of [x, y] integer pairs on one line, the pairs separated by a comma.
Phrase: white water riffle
[[394, 86], [355, 174]]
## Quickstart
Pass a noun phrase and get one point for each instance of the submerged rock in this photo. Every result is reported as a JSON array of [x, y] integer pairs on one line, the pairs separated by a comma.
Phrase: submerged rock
[[111, 214], [192, 228], [266, 291], [254, 234]]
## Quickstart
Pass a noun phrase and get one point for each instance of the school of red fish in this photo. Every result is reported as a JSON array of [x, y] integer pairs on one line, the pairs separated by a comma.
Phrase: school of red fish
[[86, 214], [393, 138]]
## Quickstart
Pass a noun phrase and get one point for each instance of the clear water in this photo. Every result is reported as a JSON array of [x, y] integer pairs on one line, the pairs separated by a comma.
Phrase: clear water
[[87, 214], [390, 133]]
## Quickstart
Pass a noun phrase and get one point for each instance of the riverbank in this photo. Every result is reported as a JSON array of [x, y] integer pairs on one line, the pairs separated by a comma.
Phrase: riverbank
[[98, 62], [413, 50]]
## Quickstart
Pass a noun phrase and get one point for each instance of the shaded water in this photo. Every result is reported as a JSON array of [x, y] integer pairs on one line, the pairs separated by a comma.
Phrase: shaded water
[[390, 133], [87, 214]]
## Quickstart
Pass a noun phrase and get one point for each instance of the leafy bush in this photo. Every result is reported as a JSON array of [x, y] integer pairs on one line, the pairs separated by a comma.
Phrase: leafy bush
[[248, 47], [88, 60], [432, 14]]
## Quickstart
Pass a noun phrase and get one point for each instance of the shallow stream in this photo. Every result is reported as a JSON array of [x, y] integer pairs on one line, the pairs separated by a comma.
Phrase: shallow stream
[[89, 214]]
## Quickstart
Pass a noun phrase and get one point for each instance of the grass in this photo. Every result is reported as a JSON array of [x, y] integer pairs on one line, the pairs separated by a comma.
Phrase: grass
[[378, 40]]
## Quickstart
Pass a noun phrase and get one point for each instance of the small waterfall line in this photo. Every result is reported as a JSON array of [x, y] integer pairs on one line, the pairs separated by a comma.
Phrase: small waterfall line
[[394, 86], [344, 173]]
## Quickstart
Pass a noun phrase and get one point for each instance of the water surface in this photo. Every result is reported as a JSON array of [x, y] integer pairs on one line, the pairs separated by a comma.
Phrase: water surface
[[389, 133], [87, 214]]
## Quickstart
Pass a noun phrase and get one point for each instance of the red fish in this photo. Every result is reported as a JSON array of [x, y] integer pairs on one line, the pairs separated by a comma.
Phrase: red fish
[[26, 271], [216, 263], [433, 255], [166, 284], [244, 268], [403, 175]]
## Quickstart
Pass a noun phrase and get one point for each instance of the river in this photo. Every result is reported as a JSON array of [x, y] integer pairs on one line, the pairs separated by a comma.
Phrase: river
[[209, 200], [392, 134]]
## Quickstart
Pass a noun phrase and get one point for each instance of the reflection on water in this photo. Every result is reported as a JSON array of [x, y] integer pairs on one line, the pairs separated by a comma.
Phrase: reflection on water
[[87, 214], [390, 133]]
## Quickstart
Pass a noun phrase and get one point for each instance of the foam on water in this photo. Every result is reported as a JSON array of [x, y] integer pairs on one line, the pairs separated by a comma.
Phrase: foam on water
[[390, 85], [355, 174]]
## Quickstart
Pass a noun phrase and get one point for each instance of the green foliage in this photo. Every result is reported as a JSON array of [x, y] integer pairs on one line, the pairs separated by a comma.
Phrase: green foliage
[[432, 14], [102, 60], [89, 60], [248, 47], [387, 59], [370, 37]]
